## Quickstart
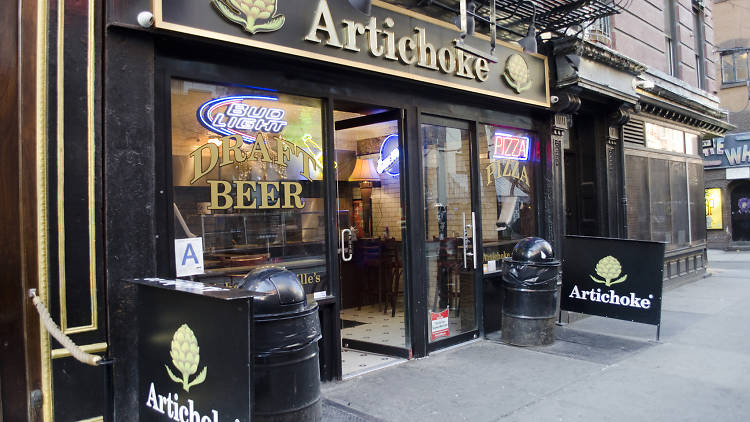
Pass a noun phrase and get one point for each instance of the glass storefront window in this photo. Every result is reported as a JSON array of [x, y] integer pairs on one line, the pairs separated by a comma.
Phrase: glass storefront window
[[637, 191], [507, 160], [664, 200], [661, 210], [679, 204], [664, 138], [248, 180], [447, 204], [691, 143]]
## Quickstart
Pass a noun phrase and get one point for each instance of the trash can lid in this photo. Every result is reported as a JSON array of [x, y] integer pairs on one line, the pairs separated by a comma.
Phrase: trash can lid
[[533, 249], [285, 292]]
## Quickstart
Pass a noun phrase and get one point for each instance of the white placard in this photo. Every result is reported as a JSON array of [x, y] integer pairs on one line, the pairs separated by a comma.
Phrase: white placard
[[320, 295], [188, 256], [738, 173], [491, 266]]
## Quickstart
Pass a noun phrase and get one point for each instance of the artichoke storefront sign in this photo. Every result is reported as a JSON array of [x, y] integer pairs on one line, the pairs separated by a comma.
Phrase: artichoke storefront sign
[[193, 352], [393, 41], [615, 278]]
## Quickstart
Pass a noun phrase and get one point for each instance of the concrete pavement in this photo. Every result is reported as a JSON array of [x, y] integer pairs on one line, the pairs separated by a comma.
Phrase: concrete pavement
[[599, 369]]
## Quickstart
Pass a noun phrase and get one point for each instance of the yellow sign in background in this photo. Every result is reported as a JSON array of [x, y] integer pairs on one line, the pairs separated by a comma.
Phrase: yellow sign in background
[[713, 209]]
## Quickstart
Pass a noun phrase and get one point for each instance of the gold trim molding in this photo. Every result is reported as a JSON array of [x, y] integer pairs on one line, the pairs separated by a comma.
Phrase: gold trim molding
[[42, 52], [91, 176], [96, 419]]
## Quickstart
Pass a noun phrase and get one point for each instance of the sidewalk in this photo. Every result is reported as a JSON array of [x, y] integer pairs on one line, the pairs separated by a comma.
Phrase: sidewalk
[[599, 369]]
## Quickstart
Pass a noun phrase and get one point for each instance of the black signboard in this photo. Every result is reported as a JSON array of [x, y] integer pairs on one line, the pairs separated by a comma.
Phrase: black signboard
[[193, 352], [614, 278], [392, 41]]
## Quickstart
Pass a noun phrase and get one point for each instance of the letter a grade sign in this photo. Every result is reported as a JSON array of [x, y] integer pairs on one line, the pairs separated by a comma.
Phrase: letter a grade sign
[[188, 256], [614, 278]]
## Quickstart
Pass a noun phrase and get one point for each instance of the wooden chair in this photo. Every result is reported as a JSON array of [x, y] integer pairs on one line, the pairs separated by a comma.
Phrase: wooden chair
[[448, 292], [371, 264], [394, 268]]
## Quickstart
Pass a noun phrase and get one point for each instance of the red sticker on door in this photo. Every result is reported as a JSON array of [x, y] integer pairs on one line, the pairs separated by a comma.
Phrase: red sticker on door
[[439, 322]]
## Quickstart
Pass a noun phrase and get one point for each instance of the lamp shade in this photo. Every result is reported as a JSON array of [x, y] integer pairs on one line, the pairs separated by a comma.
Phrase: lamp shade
[[529, 41], [364, 170]]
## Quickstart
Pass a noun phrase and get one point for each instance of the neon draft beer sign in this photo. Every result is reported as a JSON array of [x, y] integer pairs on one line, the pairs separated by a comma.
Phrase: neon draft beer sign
[[511, 147], [242, 115]]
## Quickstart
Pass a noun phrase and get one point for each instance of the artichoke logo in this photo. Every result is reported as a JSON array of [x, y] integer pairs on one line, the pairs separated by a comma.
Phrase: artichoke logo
[[609, 269], [253, 15], [516, 73], [185, 356]]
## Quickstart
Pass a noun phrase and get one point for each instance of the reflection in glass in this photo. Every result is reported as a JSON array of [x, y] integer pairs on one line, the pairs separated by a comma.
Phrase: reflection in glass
[[447, 190], [248, 180], [370, 209], [506, 185]]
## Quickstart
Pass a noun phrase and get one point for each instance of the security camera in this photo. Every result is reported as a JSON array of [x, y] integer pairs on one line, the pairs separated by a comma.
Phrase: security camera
[[643, 84], [146, 19], [554, 99]]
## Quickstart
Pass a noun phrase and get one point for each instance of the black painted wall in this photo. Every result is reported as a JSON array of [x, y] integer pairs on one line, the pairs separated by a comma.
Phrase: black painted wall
[[129, 197]]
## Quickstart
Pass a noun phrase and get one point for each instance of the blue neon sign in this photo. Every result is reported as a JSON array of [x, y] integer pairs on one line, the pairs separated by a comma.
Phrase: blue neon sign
[[389, 153]]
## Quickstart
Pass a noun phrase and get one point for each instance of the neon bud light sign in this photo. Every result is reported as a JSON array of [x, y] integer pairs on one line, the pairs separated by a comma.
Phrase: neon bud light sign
[[388, 160], [242, 115], [511, 147]]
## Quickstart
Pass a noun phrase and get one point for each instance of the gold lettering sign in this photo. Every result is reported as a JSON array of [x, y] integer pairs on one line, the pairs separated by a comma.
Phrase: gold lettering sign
[[507, 168], [260, 150], [495, 256], [412, 50], [255, 195], [309, 278]]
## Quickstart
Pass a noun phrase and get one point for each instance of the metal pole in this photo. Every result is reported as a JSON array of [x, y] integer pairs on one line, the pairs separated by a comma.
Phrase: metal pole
[[658, 331]]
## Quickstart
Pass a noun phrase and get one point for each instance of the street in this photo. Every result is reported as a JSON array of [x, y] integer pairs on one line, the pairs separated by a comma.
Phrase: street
[[598, 369]]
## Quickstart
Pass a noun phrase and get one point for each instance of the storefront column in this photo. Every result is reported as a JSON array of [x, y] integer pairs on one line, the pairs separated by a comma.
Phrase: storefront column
[[615, 160], [554, 206]]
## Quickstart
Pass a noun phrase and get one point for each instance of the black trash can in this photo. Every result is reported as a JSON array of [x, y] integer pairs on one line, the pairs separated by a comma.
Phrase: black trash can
[[285, 349], [531, 284]]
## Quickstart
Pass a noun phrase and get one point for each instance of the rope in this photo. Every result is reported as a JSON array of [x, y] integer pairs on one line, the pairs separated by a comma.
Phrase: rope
[[54, 330]]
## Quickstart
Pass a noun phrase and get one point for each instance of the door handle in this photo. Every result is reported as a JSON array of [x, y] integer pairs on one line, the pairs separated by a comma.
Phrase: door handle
[[473, 253], [464, 237], [474, 238], [344, 258]]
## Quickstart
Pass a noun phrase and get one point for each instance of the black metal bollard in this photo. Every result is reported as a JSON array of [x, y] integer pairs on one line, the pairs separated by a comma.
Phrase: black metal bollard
[[531, 283]]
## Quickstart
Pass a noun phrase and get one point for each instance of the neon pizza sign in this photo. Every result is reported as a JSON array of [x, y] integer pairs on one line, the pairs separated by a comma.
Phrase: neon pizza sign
[[242, 115], [511, 147]]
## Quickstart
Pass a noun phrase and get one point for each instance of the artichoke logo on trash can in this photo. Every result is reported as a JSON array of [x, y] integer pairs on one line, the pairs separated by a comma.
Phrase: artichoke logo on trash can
[[609, 269], [185, 357], [253, 15]]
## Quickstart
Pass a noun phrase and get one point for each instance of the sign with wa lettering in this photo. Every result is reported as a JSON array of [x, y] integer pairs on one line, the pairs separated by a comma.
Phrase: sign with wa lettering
[[615, 278], [188, 256]]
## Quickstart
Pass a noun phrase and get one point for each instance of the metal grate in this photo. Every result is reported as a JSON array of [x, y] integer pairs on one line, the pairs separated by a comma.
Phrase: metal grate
[[514, 16], [634, 131], [554, 15]]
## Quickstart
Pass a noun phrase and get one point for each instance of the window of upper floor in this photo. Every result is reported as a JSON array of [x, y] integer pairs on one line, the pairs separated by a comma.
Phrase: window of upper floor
[[734, 66], [599, 31]]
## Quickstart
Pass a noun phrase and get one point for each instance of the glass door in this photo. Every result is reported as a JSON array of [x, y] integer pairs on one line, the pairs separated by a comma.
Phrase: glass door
[[450, 228], [371, 229]]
